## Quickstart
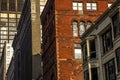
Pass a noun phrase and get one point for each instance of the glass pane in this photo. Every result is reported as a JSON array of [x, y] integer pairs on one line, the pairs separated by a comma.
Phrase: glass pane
[[3, 5], [12, 15], [3, 15], [88, 4], [12, 5], [74, 3], [12, 20], [79, 4], [41, 8], [4, 32], [12, 28], [93, 4], [12, 24], [80, 8], [74, 8], [11, 37], [4, 20], [4, 37], [88, 8], [11, 33], [77, 53], [109, 4]]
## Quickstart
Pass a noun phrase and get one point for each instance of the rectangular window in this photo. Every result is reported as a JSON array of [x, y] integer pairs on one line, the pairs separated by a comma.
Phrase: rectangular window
[[110, 70], [77, 6], [92, 49], [116, 23], [12, 5], [3, 5], [94, 73], [91, 6], [84, 52], [41, 8], [77, 51], [20, 4], [109, 4], [86, 75], [107, 40], [118, 59]]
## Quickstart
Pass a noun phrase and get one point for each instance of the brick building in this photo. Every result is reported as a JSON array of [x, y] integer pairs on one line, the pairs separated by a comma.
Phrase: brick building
[[63, 23]]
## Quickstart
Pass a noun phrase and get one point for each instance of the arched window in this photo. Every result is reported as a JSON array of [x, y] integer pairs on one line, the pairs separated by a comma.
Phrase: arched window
[[75, 28], [82, 27], [89, 23]]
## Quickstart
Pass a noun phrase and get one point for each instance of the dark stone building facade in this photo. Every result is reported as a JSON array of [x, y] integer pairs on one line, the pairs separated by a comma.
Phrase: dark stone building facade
[[22, 45], [26, 44], [101, 46], [63, 23]]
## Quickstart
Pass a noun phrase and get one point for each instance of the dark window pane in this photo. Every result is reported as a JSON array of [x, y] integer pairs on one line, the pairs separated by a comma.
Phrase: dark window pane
[[94, 74], [110, 70], [12, 5], [84, 52], [116, 22], [4, 5], [118, 59], [20, 4], [92, 49], [86, 75], [107, 40]]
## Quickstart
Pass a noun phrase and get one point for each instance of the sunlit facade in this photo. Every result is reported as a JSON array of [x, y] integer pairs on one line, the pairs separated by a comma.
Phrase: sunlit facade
[[10, 11]]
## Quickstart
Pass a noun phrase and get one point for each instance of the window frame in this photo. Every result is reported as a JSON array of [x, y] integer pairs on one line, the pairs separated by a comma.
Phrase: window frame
[[78, 48], [90, 6], [108, 68], [78, 7], [105, 45], [75, 28], [82, 25]]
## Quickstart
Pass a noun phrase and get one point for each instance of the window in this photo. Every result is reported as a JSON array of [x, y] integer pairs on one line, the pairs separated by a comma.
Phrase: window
[[86, 75], [82, 27], [116, 23], [107, 40], [89, 23], [91, 6], [109, 4], [41, 8], [3, 5], [84, 51], [20, 4], [77, 6], [118, 59], [110, 70], [94, 73], [92, 49], [12, 6], [77, 51], [75, 28]]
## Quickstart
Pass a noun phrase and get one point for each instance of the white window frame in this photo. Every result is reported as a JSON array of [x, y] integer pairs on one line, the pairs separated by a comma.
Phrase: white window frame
[[77, 51], [91, 6], [77, 6]]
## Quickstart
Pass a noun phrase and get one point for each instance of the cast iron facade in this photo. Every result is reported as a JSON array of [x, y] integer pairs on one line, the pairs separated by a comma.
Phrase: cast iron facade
[[63, 24], [101, 47]]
